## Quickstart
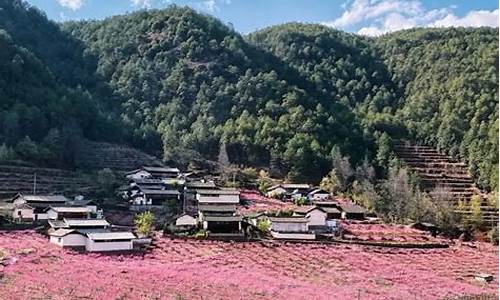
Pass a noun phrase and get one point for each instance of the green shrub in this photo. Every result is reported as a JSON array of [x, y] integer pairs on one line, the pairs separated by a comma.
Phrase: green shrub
[[264, 225], [144, 223]]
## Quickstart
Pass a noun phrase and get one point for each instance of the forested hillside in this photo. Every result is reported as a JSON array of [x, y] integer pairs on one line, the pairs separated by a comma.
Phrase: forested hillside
[[292, 97], [194, 84], [45, 107], [448, 82], [436, 86]]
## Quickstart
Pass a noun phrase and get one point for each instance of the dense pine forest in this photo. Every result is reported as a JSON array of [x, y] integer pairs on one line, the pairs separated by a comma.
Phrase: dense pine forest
[[292, 98]]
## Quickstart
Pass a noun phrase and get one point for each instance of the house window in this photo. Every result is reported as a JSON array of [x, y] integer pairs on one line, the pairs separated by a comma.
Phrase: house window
[[19, 213], [59, 240]]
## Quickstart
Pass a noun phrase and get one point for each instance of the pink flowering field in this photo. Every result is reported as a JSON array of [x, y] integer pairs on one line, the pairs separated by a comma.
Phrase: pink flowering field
[[258, 203], [194, 269]]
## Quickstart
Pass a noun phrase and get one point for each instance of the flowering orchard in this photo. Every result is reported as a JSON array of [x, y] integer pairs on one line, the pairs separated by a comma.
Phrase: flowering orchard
[[201, 269]]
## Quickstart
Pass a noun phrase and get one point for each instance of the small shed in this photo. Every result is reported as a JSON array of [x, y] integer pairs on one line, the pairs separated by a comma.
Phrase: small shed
[[332, 213], [351, 211], [222, 224], [67, 238], [109, 241], [294, 228], [424, 226], [186, 220]]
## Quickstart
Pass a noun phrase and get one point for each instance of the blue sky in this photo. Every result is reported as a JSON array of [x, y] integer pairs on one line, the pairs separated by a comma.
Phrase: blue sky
[[369, 17]]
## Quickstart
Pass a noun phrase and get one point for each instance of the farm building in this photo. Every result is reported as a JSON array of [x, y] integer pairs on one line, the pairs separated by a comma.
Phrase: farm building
[[93, 241], [85, 224], [154, 197], [290, 228], [69, 212], [222, 224], [191, 187], [288, 190], [186, 220], [138, 174], [145, 182], [351, 211], [67, 238], [39, 203], [216, 210], [217, 196], [109, 241], [332, 213], [23, 213], [318, 195], [347, 210], [315, 216], [200, 185], [89, 204], [154, 173]]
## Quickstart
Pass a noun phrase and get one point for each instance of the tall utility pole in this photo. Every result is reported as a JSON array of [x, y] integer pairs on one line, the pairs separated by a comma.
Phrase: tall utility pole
[[34, 185]]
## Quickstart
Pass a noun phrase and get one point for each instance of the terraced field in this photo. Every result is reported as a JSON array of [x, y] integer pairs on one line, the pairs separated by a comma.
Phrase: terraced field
[[440, 173], [120, 158], [18, 179]]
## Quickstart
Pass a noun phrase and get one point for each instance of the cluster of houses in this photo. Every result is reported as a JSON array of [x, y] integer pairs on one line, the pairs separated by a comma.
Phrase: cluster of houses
[[214, 209], [293, 191], [70, 223], [205, 206], [310, 221]]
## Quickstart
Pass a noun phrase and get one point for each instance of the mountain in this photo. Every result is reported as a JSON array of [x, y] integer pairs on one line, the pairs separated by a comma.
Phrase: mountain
[[184, 85], [191, 84]]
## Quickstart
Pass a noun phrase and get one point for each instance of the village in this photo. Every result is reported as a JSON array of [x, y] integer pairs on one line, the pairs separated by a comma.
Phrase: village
[[206, 210]]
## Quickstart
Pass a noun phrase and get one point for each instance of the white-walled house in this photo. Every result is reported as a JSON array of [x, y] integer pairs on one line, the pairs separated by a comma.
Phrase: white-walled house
[[109, 241], [153, 172], [40, 203], [315, 216], [138, 174], [23, 213], [290, 228], [288, 190], [93, 241], [75, 212], [68, 238], [154, 197], [318, 195], [90, 204], [221, 196]]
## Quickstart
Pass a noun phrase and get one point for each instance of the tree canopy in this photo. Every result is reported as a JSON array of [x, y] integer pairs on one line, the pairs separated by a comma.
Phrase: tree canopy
[[180, 84]]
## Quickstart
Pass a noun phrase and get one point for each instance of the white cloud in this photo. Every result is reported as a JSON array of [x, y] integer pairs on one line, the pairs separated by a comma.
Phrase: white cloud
[[475, 18], [72, 4], [142, 3], [376, 17], [211, 6]]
